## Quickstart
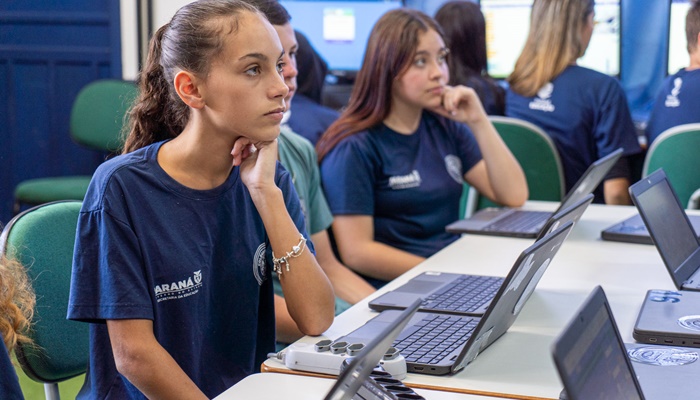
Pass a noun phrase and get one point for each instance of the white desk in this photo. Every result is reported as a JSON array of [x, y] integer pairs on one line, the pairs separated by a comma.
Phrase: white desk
[[292, 387], [519, 364]]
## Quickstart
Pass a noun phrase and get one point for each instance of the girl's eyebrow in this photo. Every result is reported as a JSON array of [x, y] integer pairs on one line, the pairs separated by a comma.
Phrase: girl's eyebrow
[[259, 56]]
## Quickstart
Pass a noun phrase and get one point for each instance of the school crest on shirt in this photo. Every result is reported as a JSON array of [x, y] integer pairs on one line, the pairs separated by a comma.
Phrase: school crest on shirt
[[179, 288], [259, 264], [672, 100], [542, 102], [405, 181], [454, 167]]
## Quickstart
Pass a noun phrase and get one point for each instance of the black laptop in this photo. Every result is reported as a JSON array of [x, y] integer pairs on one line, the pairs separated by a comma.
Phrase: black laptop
[[439, 344], [527, 223], [670, 229], [633, 230], [594, 363], [352, 378], [463, 294]]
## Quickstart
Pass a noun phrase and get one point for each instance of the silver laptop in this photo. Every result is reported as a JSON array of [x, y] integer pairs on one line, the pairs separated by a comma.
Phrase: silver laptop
[[594, 363], [352, 378], [463, 294], [439, 344], [526, 223], [670, 229], [669, 317]]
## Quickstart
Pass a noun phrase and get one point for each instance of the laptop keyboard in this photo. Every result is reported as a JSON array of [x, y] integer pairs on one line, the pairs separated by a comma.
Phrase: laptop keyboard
[[467, 294], [520, 221], [436, 337]]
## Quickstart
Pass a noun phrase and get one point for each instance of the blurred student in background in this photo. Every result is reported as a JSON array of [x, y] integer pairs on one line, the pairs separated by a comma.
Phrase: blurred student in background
[[465, 34], [393, 164], [584, 112], [678, 101]]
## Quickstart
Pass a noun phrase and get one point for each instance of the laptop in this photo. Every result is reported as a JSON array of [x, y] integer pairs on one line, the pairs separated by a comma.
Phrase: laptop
[[594, 363], [670, 229], [463, 294], [669, 317], [633, 230], [440, 344], [527, 223], [352, 378]]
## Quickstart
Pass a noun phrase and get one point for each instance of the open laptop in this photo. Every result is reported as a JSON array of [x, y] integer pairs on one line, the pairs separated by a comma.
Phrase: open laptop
[[463, 294], [594, 363], [670, 229], [352, 378], [439, 344], [527, 223]]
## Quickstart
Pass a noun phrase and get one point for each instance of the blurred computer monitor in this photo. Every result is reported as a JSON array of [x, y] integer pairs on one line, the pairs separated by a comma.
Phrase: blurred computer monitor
[[677, 42], [338, 30], [508, 23]]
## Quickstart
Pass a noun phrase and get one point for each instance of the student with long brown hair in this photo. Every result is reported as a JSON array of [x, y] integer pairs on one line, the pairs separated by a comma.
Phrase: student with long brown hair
[[393, 164], [465, 30], [17, 301], [178, 236], [584, 112]]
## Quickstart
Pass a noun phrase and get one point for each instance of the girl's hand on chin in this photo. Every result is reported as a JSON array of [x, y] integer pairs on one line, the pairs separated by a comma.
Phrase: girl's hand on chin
[[461, 103], [257, 162]]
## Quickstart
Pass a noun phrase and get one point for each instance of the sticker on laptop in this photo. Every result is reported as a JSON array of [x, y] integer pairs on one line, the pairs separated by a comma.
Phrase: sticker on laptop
[[662, 356]]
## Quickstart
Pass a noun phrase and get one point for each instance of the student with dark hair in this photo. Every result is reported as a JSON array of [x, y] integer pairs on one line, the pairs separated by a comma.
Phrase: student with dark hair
[[178, 236], [308, 117], [584, 112], [393, 165], [298, 156], [678, 101], [17, 302], [465, 33]]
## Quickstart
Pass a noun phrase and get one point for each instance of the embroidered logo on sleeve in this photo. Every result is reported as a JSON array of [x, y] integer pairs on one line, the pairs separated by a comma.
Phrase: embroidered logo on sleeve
[[542, 101], [179, 289], [259, 264], [405, 181], [672, 100]]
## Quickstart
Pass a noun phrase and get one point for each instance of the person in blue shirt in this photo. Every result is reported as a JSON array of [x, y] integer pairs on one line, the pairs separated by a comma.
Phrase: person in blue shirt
[[584, 112], [678, 101], [393, 164], [17, 302], [178, 237], [307, 116], [465, 30]]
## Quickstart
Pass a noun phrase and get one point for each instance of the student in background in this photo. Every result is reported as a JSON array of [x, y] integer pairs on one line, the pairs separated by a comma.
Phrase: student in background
[[584, 112], [465, 33], [393, 165], [678, 101], [16, 310], [307, 116], [178, 236], [298, 156]]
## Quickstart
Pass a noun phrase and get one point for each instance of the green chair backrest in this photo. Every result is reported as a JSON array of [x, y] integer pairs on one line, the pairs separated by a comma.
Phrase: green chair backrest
[[677, 151], [97, 116], [42, 240], [537, 155]]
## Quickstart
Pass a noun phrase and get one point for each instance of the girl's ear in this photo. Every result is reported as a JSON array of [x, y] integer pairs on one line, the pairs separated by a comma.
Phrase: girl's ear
[[186, 86]]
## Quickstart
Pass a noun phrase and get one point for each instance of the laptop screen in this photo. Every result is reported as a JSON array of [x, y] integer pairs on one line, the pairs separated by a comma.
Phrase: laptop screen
[[591, 358], [667, 224]]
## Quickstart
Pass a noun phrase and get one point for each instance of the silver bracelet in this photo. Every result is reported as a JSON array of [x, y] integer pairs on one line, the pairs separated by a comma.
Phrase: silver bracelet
[[296, 251]]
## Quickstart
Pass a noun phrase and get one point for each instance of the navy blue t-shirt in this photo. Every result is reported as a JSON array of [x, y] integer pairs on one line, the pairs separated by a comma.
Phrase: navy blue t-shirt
[[310, 119], [9, 383], [585, 113], [410, 184], [678, 103], [195, 262]]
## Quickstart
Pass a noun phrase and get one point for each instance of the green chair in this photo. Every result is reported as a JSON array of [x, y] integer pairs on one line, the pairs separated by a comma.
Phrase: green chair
[[538, 157], [96, 121], [677, 151], [42, 239]]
